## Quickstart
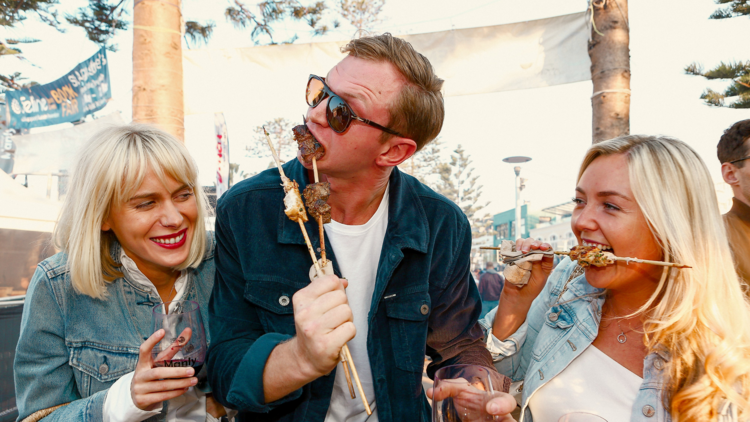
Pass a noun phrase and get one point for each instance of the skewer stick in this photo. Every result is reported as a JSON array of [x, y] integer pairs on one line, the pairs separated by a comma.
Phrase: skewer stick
[[642, 261], [344, 363], [321, 230], [310, 249], [614, 258], [356, 379], [275, 156]]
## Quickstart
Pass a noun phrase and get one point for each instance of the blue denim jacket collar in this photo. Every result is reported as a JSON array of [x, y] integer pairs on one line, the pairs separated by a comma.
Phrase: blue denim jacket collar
[[407, 220]]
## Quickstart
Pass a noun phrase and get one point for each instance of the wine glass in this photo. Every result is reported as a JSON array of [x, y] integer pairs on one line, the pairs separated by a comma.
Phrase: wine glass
[[184, 341], [581, 417], [461, 393]]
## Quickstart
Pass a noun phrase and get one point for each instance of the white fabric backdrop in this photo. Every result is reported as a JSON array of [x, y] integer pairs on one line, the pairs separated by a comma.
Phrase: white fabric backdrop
[[50, 152], [255, 84]]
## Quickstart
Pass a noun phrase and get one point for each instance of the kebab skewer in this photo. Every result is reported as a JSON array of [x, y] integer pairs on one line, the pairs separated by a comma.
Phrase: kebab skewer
[[316, 198], [295, 210], [585, 255]]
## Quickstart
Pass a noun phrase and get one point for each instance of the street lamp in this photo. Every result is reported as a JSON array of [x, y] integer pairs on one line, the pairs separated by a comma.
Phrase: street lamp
[[517, 169]]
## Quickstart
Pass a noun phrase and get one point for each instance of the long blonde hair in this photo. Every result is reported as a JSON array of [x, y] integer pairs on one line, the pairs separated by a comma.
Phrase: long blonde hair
[[109, 169], [700, 314]]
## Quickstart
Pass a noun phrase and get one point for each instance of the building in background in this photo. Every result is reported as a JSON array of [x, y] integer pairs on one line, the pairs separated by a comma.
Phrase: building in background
[[505, 227]]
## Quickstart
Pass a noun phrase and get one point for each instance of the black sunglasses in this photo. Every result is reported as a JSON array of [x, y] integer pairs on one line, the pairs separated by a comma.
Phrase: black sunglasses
[[338, 113], [741, 159]]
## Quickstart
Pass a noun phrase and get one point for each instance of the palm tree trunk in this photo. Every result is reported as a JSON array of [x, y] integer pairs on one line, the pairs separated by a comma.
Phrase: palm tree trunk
[[610, 69], [157, 65]]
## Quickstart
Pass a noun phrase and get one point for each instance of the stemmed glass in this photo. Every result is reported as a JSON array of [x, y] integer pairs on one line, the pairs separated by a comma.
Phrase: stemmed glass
[[462, 392], [184, 341], [581, 417]]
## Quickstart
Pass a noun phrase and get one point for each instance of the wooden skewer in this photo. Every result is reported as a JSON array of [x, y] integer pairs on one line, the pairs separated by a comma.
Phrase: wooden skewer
[[321, 230], [356, 379], [642, 261], [344, 363], [345, 349], [275, 156], [610, 256]]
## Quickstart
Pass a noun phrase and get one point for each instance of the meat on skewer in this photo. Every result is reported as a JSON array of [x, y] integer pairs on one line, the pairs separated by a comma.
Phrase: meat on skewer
[[309, 147], [294, 207], [316, 198], [590, 255]]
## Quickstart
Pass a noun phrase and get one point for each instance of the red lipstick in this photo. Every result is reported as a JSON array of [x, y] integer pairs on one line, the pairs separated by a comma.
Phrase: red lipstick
[[171, 241]]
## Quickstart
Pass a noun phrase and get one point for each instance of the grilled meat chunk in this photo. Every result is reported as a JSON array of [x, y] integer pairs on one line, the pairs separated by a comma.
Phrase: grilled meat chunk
[[308, 145], [316, 197]]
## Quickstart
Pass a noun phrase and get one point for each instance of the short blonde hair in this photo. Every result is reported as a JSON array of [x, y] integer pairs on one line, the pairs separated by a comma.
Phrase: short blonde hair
[[699, 314], [418, 111], [109, 170]]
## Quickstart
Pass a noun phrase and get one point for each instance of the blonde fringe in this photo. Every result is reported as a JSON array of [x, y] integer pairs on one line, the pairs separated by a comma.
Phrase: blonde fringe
[[700, 315], [110, 169]]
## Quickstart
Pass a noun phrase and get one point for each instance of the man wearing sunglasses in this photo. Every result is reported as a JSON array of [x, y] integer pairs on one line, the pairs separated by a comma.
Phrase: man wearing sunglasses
[[734, 155], [403, 249]]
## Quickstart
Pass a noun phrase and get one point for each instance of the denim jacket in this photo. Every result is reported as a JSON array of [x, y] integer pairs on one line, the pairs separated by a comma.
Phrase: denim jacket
[[424, 300], [553, 336], [73, 347]]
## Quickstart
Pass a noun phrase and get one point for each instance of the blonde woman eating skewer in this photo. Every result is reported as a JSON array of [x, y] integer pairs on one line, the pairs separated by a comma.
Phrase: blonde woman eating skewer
[[632, 341]]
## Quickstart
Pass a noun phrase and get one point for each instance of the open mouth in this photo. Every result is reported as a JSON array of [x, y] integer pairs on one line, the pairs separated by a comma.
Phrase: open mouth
[[601, 246], [171, 241]]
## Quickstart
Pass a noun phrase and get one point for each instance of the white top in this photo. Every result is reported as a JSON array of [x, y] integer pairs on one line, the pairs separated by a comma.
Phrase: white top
[[119, 406], [357, 250], [593, 383]]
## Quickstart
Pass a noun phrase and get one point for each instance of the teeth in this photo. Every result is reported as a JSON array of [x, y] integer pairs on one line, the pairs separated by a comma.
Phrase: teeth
[[598, 245], [170, 241]]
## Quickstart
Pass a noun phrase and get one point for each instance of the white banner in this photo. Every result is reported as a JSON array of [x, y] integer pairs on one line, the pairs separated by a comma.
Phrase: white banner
[[265, 80], [222, 155], [53, 151]]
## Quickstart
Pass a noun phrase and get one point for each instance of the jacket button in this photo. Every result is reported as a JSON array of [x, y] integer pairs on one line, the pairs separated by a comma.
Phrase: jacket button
[[553, 317], [284, 300], [658, 364], [424, 309], [648, 411], [103, 368]]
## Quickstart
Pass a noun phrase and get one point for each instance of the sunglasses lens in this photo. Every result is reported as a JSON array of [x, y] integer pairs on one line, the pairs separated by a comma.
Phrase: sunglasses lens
[[338, 114], [314, 92]]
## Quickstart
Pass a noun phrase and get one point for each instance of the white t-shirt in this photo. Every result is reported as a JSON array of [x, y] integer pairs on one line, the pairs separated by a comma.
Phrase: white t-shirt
[[593, 383], [357, 250]]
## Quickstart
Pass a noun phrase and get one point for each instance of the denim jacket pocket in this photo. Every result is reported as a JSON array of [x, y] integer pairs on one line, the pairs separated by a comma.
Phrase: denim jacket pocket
[[97, 366], [557, 321], [408, 316], [274, 301]]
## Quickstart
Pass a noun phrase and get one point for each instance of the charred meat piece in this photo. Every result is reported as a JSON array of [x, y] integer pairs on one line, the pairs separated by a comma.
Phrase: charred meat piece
[[316, 198], [295, 209], [308, 145], [590, 255]]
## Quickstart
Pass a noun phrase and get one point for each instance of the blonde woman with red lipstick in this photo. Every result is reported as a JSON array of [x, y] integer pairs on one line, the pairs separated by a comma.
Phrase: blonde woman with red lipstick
[[132, 234], [630, 341]]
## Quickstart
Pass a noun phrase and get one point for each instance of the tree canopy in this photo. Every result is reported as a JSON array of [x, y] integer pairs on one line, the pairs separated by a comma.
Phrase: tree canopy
[[738, 72]]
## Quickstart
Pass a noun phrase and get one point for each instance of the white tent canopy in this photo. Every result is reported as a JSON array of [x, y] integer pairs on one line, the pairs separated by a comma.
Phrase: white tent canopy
[[22, 210]]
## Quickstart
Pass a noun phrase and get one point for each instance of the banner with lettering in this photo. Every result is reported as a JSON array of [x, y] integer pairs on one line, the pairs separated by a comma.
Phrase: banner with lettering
[[82, 91], [222, 155]]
